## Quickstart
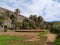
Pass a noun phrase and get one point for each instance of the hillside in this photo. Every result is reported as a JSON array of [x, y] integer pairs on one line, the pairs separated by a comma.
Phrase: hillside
[[19, 17]]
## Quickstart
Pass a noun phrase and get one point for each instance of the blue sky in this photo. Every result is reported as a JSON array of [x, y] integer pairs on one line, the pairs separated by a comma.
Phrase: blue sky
[[48, 9]]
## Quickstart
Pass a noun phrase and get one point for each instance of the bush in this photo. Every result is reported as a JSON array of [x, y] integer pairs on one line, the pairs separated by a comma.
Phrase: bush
[[55, 28], [32, 25], [57, 41], [5, 28], [25, 25]]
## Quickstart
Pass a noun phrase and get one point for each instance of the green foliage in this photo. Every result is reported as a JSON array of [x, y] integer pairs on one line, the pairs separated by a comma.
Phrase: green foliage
[[10, 40], [17, 12], [57, 41], [26, 20], [13, 20], [48, 25], [16, 40], [42, 35], [34, 18], [28, 24], [56, 27], [32, 25], [39, 21], [25, 25], [12, 17], [31, 17], [5, 28], [2, 18], [6, 14], [33, 22], [18, 24]]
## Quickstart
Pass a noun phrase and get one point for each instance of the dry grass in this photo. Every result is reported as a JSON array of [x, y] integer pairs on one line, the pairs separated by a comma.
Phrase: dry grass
[[29, 35]]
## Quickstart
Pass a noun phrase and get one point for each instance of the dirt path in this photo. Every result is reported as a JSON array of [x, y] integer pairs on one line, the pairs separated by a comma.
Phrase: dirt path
[[51, 37], [29, 35]]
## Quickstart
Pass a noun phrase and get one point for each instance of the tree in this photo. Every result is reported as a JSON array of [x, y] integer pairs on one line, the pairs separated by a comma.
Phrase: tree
[[7, 13], [26, 20], [40, 22], [34, 19], [5, 28], [32, 25], [25, 25], [40, 19], [31, 17], [2, 19], [29, 24], [12, 17], [17, 11], [13, 20], [55, 27], [18, 25]]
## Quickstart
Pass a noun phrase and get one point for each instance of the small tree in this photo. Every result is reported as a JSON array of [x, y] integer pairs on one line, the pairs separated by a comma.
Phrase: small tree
[[32, 25], [17, 11], [25, 25], [13, 20], [55, 27], [18, 24], [2, 19], [12, 17], [5, 28], [7, 13]]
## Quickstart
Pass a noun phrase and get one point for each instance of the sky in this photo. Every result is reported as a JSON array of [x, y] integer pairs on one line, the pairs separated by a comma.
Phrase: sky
[[48, 9]]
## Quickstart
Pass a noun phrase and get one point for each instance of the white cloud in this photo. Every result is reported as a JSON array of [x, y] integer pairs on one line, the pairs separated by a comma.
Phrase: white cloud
[[53, 12], [49, 9]]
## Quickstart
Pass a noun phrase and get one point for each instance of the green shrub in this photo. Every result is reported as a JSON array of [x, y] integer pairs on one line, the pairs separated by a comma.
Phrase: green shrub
[[57, 41], [5, 28], [55, 28]]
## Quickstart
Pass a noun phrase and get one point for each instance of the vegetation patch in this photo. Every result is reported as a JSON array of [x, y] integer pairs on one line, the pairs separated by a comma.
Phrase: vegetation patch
[[16, 40], [57, 41], [10, 40]]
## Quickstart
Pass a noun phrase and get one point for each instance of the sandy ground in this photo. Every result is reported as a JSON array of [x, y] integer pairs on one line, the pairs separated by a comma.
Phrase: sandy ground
[[51, 37]]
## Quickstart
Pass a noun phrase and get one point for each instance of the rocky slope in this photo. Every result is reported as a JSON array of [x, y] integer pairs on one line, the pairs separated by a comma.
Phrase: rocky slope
[[19, 17]]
